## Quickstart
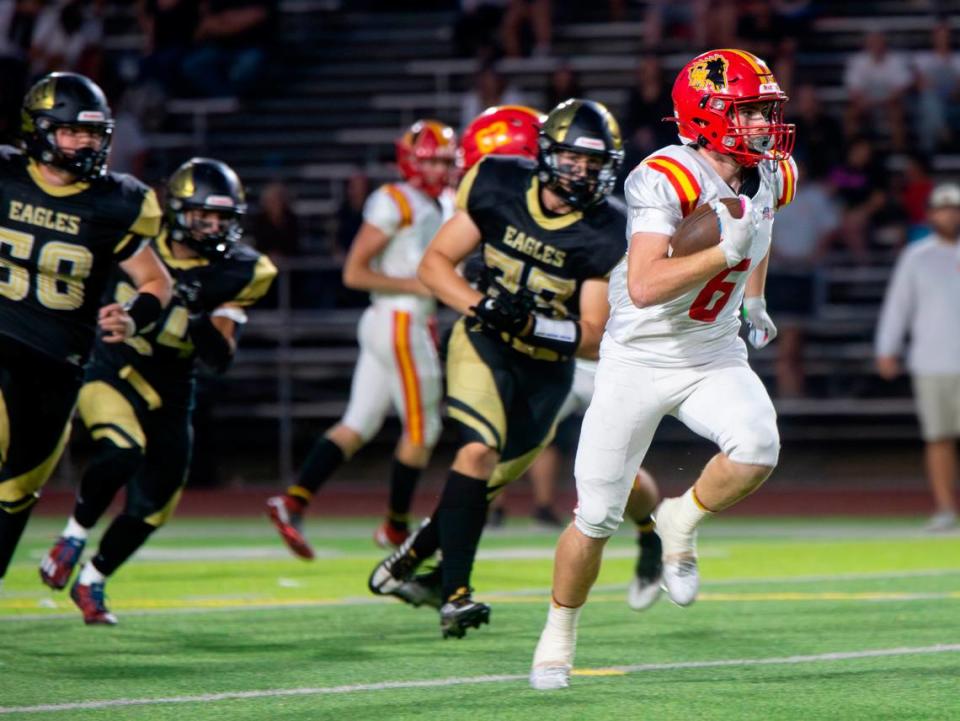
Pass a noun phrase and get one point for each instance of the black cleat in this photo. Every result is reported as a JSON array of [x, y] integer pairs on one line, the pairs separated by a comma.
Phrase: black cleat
[[461, 612], [424, 589], [394, 571]]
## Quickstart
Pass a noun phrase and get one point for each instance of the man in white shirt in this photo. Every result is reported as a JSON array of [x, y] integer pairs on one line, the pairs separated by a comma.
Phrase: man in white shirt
[[922, 300], [876, 81]]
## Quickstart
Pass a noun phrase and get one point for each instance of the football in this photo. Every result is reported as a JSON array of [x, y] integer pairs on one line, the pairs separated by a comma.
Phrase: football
[[701, 229]]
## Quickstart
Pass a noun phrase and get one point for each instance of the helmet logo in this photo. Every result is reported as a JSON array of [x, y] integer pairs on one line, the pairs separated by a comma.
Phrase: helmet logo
[[90, 116], [42, 96], [220, 201], [489, 139], [590, 144], [709, 74], [181, 184]]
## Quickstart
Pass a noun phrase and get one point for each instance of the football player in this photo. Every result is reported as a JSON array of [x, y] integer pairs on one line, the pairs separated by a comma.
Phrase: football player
[[398, 364], [137, 396], [64, 223], [672, 344], [549, 239]]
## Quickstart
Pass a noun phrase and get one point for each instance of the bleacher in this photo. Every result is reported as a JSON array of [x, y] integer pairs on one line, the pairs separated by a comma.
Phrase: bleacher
[[346, 83]]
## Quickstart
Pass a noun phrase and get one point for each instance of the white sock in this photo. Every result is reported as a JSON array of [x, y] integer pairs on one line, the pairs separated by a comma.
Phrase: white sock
[[75, 530], [90, 575], [559, 638], [690, 512]]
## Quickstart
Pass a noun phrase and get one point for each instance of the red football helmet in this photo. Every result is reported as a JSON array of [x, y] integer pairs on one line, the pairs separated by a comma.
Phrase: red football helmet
[[426, 140], [708, 94], [501, 130]]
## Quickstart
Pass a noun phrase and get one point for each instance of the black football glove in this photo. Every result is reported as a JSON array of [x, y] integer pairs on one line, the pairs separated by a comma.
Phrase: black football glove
[[188, 291], [504, 313]]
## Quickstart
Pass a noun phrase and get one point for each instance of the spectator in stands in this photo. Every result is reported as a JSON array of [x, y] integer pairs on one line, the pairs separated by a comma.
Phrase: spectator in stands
[[477, 27], [683, 20], [938, 85], [232, 39], [275, 226], [17, 21], [860, 185], [819, 137], [490, 88], [922, 301], [128, 144], [801, 237], [915, 195], [67, 36], [168, 27], [759, 29], [564, 84], [876, 81], [350, 213], [523, 14], [648, 104]]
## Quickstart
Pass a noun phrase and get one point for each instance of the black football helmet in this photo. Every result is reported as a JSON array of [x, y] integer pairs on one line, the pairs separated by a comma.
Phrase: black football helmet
[[587, 128], [60, 100], [205, 184]]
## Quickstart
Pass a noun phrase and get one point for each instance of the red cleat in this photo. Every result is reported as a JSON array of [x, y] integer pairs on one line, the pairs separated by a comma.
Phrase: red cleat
[[287, 516], [57, 566], [91, 600], [389, 536]]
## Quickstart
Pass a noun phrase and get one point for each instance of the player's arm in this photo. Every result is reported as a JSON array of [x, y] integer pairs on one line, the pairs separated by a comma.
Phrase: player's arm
[[594, 312], [654, 278], [214, 335], [455, 240], [359, 274], [762, 328], [757, 281], [154, 290]]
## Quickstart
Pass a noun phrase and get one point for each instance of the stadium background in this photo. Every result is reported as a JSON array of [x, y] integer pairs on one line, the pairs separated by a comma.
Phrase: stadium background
[[335, 82]]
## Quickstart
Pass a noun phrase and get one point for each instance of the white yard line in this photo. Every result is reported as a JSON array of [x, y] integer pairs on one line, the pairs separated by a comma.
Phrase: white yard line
[[478, 680]]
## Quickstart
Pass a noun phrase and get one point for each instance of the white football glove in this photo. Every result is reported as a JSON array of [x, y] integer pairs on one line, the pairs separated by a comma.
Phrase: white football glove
[[761, 328], [736, 234]]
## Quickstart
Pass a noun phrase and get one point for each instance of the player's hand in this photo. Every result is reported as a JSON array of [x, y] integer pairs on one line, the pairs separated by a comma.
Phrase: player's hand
[[762, 330], [736, 234], [115, 323], [888, 367], [189, 293], [504, 314]]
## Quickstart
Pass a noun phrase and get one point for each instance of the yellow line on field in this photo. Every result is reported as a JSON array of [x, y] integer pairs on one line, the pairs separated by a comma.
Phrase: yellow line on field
[[134, 604]]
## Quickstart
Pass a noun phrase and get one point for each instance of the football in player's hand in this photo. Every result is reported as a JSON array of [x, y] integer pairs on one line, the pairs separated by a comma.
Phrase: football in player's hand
[[701, 229]]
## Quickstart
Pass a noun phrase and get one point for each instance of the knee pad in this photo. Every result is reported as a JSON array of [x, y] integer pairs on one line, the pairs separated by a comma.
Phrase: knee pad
[[757, 445], [595, 518]]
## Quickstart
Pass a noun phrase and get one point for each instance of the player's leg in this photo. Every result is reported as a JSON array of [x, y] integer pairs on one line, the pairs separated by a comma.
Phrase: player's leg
[[644, 588], [366, 411], [416, 390], [729, 405], [152, 496], [119, 443], [37, 397], [617, 430]]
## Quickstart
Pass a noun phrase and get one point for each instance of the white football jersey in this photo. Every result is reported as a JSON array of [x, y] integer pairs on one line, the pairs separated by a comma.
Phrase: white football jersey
[[411, 218], [702, 323]]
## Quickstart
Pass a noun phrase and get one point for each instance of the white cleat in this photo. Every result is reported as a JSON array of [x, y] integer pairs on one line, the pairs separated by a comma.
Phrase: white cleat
[[941, 521], [681, 578], [643, 593], [550, 678]]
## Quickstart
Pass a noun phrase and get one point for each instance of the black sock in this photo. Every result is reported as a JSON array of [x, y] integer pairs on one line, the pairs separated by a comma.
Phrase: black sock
[[427, 541], [11, 528], [108, 471], [403, 482], [463, 511], [124, 536], [645, 527], [324, 458]]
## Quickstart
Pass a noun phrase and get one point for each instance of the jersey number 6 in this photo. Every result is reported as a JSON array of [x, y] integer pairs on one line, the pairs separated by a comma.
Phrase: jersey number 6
[[708, 304]]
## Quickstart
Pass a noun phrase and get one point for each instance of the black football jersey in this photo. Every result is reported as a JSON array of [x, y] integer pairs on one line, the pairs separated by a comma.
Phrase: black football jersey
[[58, 246], [163, 354], [525, 246]]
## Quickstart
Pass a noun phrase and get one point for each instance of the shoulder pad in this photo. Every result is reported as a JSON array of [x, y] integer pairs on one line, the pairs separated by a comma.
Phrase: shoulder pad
[[681, 179]]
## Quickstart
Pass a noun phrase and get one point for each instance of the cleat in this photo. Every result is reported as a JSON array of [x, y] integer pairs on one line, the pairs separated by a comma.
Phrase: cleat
[[424, 589], [389, 536], [461, 612], [287, 516], [57, 566], [91, 600], [550, 678], [941, 521], [644, 589], [394, 571], [681, 577]]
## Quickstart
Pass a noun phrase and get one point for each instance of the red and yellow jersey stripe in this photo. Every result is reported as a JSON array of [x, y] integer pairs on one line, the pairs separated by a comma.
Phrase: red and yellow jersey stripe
[[403, 204], [787, 170], [682, 180], [409, 380]]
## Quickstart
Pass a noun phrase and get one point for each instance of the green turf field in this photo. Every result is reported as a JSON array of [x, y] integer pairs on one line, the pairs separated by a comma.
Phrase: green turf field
[[798, 619]]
